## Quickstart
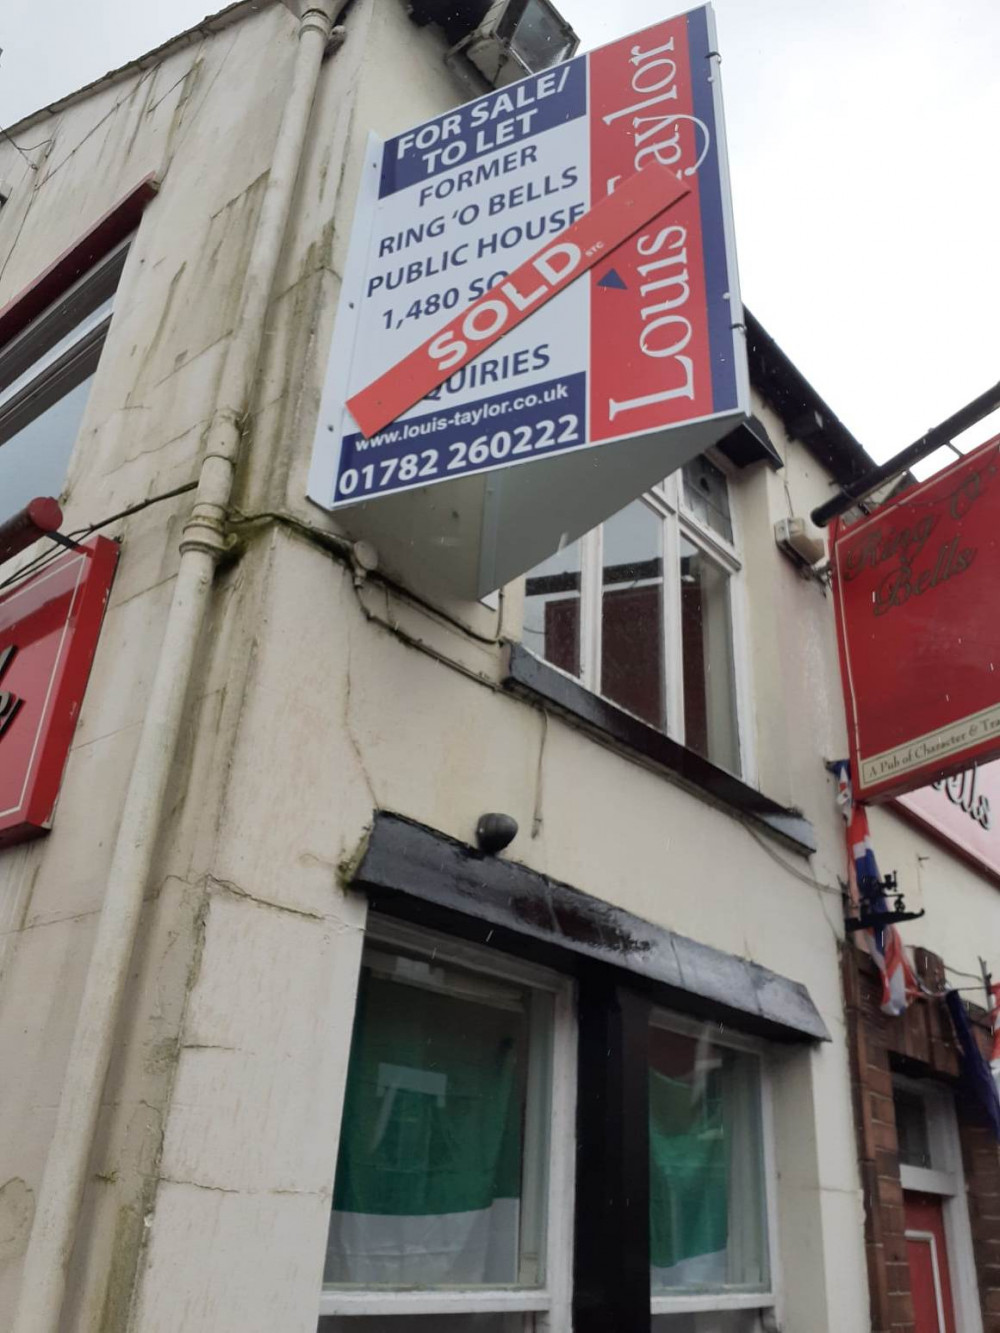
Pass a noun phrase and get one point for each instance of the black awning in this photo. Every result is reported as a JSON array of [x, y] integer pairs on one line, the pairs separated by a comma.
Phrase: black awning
[[414, 872]]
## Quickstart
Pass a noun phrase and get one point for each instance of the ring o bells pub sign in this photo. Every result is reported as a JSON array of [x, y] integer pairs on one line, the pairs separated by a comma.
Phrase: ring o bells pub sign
[[539, 316], [918, 622]]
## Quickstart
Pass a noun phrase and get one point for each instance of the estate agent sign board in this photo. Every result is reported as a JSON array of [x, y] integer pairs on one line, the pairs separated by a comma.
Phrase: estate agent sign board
[[918, 628], [539, 315], [49, 627]]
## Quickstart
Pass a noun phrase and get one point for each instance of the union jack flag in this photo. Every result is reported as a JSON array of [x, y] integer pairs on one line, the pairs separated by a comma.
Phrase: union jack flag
[[899, 985]]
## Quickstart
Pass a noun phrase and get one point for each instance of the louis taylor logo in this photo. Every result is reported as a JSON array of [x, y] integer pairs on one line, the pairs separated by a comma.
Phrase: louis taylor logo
[[10, 704], [665, 327]]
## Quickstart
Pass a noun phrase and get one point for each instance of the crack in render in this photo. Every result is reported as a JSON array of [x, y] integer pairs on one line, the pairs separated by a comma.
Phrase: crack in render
[[246, 1193], [349, 730], [227, 886]]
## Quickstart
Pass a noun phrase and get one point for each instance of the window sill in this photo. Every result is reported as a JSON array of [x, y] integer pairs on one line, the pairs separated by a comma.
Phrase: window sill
[[923, 1180], [735, 1300], [528, 676], [474, 1300]]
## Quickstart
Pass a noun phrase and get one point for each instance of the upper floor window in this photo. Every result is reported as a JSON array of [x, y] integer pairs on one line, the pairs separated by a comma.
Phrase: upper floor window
[[645, 610], [46, 374]]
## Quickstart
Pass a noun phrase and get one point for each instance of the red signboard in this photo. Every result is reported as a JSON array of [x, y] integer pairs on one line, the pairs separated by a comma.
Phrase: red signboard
[[916, 601], [964, 811], [612, 220], [49, 626], [654, 354]]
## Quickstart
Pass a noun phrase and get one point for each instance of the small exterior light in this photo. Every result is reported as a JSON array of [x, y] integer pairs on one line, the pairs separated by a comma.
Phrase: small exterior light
[[494, 832]]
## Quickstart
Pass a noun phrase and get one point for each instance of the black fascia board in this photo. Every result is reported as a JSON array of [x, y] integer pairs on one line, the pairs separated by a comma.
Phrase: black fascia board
[[532, 678], [787, 391], [420, 875]]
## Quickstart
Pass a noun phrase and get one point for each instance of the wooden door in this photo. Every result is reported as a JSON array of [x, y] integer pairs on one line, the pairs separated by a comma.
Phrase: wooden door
[[927, 1251]]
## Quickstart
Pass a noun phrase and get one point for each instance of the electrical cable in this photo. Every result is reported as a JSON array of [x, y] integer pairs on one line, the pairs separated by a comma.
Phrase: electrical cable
[[344, 546], [49, 554], [25, 151], [133, 509], [790, 869]]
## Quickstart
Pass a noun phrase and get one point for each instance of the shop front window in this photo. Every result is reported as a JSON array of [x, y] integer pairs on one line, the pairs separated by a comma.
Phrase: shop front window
[[644, 610], [708, 1321], [464, 1201], [707, 1211], [446, 1152]]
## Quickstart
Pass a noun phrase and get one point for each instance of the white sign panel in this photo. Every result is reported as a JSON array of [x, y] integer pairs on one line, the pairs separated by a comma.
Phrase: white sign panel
[[647, 340]]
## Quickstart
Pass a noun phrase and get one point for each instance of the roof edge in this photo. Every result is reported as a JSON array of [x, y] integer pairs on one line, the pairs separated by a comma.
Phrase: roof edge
[[206, 27], [805, 414]]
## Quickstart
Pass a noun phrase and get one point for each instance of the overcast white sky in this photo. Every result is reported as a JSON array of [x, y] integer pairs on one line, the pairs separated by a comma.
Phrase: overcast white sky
[[863, 141]]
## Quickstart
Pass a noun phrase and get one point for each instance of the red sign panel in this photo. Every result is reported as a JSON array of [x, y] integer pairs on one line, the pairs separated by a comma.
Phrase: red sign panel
[[612, 220], [964, 811], [648, 104], [49, 626], [918, 629]]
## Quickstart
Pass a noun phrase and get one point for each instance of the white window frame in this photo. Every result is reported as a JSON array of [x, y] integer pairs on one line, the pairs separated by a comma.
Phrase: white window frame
[[947, 1180], [551, 1302], [728, 556], [762, 1301], [666, 502]]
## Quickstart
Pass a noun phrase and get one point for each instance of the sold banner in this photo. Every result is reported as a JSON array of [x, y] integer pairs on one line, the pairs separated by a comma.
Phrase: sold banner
[[600, 231], [918, 629], [465, 339]]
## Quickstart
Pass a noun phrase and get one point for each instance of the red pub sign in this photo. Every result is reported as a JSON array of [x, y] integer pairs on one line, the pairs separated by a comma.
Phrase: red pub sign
[[917, 592], [964, 811], [49, 627]]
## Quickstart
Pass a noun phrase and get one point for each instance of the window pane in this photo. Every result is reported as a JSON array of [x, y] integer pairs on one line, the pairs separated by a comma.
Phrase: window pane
[[552, 610], [706, 495], [60, 343], [429, 1323], [912, 1128], [708, 1321], [707, 647], [632, 613], [441, 1174], [34, 461], [706, 1202], [46, 374]]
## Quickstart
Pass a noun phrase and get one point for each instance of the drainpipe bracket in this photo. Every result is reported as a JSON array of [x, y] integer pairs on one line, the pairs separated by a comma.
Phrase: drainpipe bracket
[[206, 534]]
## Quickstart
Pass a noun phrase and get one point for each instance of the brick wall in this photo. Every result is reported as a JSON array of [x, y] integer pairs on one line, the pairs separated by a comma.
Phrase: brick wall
[[922, 1042], [982, 1173]]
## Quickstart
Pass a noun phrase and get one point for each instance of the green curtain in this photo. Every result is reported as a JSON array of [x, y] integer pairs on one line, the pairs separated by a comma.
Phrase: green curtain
[[432, 1113], [688, 1194]]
